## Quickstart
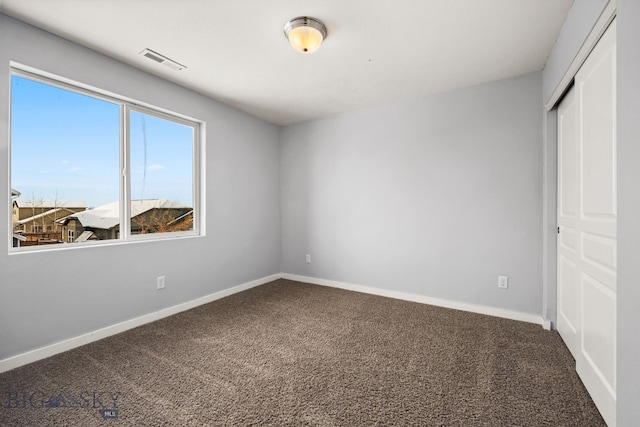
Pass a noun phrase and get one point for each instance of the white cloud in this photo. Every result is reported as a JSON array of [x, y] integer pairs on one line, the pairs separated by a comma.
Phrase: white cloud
[[155, 167]]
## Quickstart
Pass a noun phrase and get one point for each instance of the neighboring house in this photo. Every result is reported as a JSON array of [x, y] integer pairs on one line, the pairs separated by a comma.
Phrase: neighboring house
[[44, 222], [36, 222], [41, 216], [147, 216], [16, 237]]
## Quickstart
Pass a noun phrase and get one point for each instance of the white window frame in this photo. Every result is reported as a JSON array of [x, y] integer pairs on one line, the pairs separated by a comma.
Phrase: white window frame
[[126, 105]]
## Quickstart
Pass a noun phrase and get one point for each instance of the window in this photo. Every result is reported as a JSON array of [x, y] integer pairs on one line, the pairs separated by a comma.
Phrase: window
[[91, 167], [161, 158]]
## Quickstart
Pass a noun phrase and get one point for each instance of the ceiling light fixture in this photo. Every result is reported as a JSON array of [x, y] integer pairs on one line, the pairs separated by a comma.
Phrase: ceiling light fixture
[[305, 34]]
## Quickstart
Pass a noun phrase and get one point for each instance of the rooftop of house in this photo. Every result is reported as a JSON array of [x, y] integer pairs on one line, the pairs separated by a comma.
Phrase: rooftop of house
[[42, 215], [47, 204], [108, 216]]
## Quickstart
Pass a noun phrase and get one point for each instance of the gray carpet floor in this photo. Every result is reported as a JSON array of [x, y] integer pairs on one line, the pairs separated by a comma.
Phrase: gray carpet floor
[[289, 353]]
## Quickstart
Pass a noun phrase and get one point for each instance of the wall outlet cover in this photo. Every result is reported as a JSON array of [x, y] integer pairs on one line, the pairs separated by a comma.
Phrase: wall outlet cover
[[503, 282]]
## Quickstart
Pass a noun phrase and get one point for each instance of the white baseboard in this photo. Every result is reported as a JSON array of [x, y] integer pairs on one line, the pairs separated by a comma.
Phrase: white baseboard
[[80, 340], [473, 308], [71, 343]]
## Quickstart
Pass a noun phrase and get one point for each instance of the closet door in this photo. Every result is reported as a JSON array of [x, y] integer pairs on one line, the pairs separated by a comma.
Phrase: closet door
[[568, 206], [587, 241]]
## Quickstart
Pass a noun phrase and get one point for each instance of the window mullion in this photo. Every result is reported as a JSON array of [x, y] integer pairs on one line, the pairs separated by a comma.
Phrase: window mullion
[[125, 172]]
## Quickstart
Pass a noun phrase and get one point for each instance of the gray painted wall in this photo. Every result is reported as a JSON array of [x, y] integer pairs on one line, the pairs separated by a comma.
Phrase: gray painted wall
[[434, 196], [549, 216], [582, 16], [54, 295], [628, 386]]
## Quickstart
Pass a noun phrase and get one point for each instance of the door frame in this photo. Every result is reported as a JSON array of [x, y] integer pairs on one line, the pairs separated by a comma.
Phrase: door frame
[[550, 168]]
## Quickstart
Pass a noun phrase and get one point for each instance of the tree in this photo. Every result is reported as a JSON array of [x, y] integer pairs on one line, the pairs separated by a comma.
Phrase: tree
[[162, 220]]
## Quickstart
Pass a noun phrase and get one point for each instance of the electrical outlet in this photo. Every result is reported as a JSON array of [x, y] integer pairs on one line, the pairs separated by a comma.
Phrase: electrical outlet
[[308, 258], [160, 282], [503, 282]]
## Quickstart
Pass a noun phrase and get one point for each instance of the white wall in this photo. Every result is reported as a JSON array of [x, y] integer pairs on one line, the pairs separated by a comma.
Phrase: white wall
[[433, 196], [54, 295]]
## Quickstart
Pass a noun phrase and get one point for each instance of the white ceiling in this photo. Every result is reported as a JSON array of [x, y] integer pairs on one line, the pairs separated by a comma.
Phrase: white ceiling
[[377, 51]]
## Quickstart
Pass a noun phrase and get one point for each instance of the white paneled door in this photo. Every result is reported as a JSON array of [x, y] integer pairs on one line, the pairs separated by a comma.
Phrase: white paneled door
[[568, 200], [587, 219]]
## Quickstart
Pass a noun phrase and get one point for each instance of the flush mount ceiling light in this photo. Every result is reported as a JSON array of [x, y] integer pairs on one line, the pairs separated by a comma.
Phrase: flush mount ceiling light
[[305, 34]]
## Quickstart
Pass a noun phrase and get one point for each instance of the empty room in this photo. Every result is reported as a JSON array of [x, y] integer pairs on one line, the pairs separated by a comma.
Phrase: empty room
[[336, 213]]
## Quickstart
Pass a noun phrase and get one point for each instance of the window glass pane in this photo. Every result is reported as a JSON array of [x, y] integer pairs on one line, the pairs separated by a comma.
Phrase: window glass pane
[[161, 159], [64, 165]]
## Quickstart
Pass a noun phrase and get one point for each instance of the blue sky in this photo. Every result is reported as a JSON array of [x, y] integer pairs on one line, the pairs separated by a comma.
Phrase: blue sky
[[65, 146]]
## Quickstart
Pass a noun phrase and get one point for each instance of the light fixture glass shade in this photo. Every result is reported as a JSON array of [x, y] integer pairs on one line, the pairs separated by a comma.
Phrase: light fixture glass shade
[[305, 34]]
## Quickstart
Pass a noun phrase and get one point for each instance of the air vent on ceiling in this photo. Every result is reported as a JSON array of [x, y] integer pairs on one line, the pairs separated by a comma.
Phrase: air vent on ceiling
[[161, 59]]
